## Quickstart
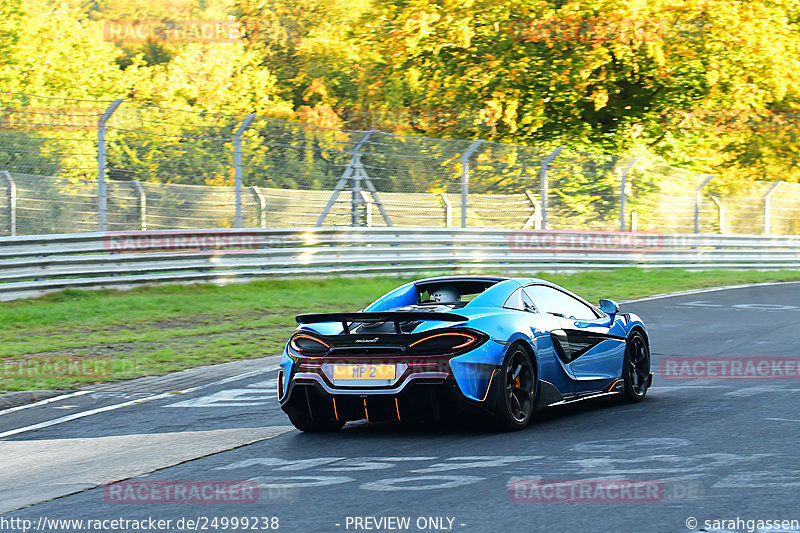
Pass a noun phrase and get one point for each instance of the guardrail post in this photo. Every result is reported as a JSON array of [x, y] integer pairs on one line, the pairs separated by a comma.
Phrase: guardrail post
[[12, 203], [535, 219], [237, 165], [545, 185], [101, 163], [721, 210], [698, 197], [465, 179], [623, 192], [768, 207], [262, 206], [448, 210], [142, 204]]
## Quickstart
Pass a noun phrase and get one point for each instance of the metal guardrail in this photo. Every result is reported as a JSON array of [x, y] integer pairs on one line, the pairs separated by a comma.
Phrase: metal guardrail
[[32, 265]]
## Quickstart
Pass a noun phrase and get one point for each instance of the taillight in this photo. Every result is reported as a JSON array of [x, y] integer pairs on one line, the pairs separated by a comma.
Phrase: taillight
[[281, 384], [308, 345], [444, 343]]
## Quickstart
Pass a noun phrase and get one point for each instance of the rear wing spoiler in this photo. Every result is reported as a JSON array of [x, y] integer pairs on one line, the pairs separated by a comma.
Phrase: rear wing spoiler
[[382, 316]]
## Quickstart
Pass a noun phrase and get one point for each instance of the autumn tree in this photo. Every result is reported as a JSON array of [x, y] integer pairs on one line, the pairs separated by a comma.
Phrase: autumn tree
[[311, 48], [607, 75]]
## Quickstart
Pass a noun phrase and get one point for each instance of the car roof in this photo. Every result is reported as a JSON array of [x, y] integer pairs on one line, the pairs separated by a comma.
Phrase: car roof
[[457, 278], [484, 279], [466, 283]]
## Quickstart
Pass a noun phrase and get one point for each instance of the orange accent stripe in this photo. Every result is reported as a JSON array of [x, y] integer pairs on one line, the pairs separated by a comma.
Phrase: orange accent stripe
[[335, 413], [366, 413], [490, 384], [397, 406], [302, 336], [471, 337]]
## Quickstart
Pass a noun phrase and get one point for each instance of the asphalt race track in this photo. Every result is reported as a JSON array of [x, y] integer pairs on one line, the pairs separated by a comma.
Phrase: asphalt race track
[[720, 449]]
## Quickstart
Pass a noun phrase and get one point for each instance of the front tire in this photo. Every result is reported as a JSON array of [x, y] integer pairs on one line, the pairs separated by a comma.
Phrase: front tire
[[636, 368], [515, 390]]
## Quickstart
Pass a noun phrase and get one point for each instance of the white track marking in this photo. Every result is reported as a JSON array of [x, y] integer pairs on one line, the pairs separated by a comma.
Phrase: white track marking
[[258, 393], [229, 398], [83, 414], [701, 291], [237, 377], [664, 388], [629, 445], [405, 484], [759, 389], [44, 402], [296, 482]]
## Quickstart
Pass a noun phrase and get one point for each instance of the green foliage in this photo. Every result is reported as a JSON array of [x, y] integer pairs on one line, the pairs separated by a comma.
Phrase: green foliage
[[25, 152], [587, 74], [10, 22], [308, 45]]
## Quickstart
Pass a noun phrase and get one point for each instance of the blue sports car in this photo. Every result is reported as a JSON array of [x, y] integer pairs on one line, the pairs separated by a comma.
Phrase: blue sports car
[[492, 347]]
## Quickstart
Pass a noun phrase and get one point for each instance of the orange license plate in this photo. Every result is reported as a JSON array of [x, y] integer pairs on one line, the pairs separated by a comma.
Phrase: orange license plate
[[363, 372]]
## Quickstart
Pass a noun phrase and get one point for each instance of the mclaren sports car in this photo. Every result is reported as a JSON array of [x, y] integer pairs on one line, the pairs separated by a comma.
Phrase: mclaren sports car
[[488, 348]]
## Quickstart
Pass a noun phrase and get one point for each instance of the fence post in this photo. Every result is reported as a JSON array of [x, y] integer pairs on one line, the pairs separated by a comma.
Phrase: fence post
[[535, 219], [634, 222], [465, 179], [698, 197], [768, 206], [721, 209], [12, 203], [237, 165], [368, 201], [142, 205], [101, 163], [623, 193], [448, 210], [262, 206], [347, 175], [356, 197], [545, 185]]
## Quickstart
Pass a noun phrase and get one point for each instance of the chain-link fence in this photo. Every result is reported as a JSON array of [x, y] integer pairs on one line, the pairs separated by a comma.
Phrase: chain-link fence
[[77, 165]]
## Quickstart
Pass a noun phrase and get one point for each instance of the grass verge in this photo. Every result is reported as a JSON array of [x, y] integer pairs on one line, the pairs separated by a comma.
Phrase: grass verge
[[159, 329]]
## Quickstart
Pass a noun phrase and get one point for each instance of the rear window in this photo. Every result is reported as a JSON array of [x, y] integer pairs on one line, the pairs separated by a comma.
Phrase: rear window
[[426, 297], [455, 292]]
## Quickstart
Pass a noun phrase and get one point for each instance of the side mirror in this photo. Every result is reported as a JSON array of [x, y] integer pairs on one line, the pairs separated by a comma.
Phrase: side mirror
[[609, 307]]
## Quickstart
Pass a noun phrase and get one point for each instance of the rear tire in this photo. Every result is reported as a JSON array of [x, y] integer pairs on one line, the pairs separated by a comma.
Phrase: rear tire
[[636, 368], [305, 421], [515, 388]]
